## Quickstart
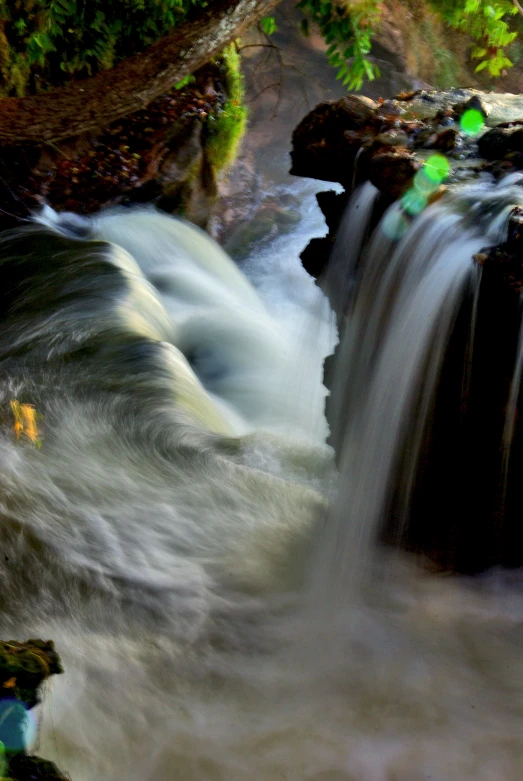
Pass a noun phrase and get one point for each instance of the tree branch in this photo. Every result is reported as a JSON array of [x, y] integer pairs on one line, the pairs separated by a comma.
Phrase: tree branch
[[131, 85]]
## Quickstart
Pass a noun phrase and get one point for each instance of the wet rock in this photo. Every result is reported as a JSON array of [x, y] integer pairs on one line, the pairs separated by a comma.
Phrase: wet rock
[[392, 172], [480, 258], [445, 140], [351, 141], [477, 103], [332, 205], [326, 142], [286, 219], [314, 256], [393, 138], [23, 668], [33, 768], [500, 142], [391, 108], [259, 228], [464, 528]]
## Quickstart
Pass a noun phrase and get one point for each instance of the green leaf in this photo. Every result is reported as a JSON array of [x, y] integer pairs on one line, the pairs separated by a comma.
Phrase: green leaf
[[189, 79], [369, 70], [268, 25], [477, 53]]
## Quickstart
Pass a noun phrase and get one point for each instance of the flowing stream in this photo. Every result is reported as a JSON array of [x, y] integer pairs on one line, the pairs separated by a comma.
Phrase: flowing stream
[[215, 592]]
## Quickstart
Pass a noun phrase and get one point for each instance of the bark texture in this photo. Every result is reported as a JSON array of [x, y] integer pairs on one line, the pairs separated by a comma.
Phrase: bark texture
[[87, 105]]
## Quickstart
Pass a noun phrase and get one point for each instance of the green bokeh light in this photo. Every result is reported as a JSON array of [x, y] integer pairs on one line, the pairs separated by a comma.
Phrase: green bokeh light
[[413, 201], [437, 168], [472, 121], [424, 185], [394, 225]]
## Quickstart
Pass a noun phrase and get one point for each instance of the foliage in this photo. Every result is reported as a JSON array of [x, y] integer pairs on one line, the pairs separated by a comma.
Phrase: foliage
[[45, 43], [348, 26], [484, 21], [227, 126], [189, 79], [268, 25]]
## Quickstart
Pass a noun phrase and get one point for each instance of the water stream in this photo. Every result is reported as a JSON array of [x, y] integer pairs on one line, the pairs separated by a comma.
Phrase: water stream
[[173, 532]]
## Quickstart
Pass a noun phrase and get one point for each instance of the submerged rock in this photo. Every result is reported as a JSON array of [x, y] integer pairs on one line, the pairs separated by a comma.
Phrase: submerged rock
[[23, 668]]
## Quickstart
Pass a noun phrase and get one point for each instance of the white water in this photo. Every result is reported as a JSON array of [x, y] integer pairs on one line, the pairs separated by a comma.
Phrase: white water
[[168, 563]]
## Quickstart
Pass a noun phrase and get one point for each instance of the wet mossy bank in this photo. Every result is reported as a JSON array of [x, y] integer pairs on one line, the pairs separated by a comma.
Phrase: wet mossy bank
[[172, 153]]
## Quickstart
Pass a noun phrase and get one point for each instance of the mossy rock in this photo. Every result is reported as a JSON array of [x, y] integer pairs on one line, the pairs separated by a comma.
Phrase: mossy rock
[[24, 666]]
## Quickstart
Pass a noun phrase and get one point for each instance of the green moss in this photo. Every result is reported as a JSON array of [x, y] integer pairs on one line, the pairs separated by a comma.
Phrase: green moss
[[225, 129]]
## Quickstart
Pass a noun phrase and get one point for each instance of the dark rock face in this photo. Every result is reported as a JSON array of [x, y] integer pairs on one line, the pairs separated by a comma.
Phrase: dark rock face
[[465, 514], [461, 517], [500, 141], [25, 768], [326, 142]]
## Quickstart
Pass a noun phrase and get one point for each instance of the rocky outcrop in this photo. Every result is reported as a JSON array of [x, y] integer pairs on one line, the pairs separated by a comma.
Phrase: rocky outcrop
[[355, 139]]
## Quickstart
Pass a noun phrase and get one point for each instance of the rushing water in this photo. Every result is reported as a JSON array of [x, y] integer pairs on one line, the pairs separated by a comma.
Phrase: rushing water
[[172, 534]]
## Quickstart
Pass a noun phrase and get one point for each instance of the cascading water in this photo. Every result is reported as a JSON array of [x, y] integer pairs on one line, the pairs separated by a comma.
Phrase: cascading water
[[396, 327], [512, 408], [164, 543]]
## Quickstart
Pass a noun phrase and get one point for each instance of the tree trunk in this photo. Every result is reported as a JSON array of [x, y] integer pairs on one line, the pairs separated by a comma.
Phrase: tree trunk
[[92, 103]]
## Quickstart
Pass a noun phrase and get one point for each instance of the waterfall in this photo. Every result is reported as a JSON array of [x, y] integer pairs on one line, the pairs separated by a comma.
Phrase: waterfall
[[167, 531], [395, 331]]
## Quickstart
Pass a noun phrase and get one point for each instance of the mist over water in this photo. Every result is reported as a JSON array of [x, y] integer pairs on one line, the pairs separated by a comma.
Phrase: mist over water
[[172, 534]]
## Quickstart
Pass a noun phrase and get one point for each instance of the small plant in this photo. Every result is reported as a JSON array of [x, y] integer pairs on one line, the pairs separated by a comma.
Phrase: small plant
[[348, 29], [189, 79], [349, 25], [268, 25], [485, 22]]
